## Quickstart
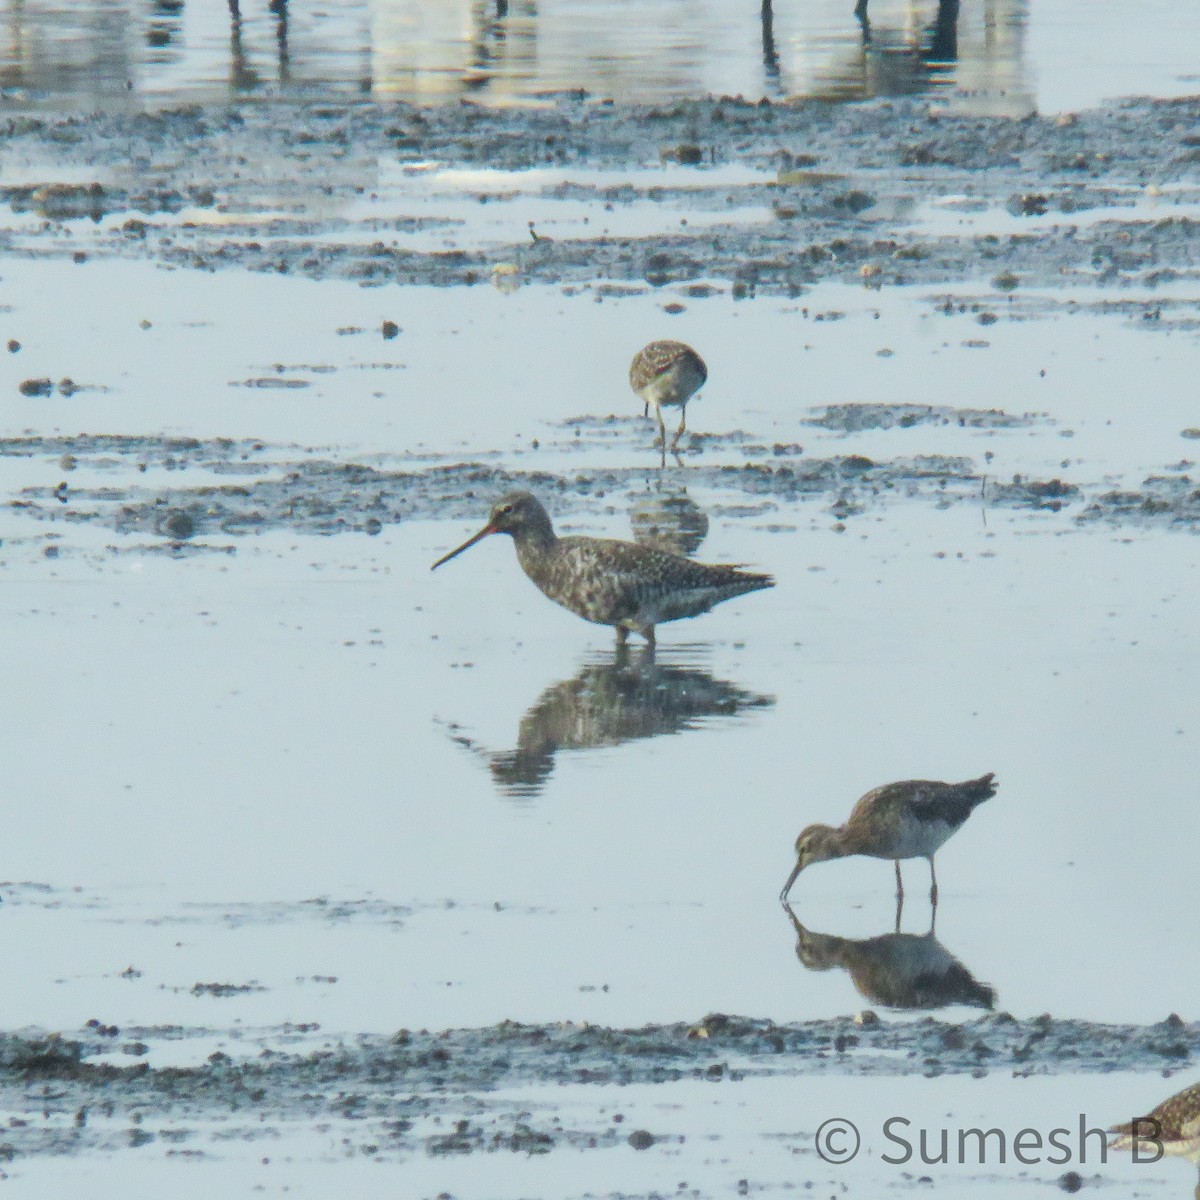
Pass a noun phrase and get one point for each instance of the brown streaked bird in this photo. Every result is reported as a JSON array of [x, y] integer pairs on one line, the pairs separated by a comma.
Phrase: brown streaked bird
[[608, 582], [1175, 1123], [899, 820], [670, 373], [1171, 1128]]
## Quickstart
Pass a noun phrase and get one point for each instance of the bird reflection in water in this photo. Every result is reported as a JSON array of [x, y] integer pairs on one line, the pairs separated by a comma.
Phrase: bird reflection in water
[[896, 970], [624, 697], [670, 521], [938, 46], [242, 76]]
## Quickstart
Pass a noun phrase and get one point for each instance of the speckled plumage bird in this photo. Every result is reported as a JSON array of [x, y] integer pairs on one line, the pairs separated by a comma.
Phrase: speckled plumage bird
[[608, 582], [670, 373], [911, 819], [1175, 1123]]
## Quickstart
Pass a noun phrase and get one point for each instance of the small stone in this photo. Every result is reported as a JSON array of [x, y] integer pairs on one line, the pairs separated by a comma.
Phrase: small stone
[[641, 1139], [1070, 1181], [867, 1019], [13, 345], [389, 329], [178, 525], [36, 387]]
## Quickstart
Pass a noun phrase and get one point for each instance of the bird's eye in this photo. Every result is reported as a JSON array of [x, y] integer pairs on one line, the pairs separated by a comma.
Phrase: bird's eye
[[504, 508]]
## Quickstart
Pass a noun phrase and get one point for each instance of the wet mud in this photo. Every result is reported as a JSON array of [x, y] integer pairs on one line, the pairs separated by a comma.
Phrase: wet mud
[[249, 487], [744, 197], [428, 1093]]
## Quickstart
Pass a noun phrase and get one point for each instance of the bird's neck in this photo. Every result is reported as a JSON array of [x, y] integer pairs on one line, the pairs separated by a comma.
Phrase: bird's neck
[[844, 840], [534, 541]]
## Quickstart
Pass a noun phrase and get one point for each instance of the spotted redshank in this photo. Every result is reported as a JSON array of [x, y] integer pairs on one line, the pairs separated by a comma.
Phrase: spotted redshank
[[670, 373], [899, 820], [622, 584], [1171, 1128]]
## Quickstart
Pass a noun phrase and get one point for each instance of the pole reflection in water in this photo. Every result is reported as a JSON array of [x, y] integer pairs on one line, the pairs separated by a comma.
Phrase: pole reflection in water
[[626, 696], [896, 970], [501, 51]]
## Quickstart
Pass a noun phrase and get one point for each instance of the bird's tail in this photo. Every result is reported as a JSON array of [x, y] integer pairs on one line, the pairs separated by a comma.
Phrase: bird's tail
[[981, 789]]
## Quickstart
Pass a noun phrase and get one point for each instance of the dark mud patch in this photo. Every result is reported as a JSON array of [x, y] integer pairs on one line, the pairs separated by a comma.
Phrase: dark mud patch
[[854, 418], [440, 1093], [322, 496], [323, 909], [93, 201], [119, 451], [286, 488], [857, 211], [222, 991], [1162, 502]]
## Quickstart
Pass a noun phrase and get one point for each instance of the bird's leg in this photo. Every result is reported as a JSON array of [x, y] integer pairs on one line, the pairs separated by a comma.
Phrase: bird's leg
[[899, 910], [899, 883], [662, 435], [646, 658], [682, 427], [932, 883], [648, 634], [622, 636]]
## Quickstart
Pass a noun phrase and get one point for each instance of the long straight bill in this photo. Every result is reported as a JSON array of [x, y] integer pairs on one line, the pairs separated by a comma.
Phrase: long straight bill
[[787, 887], [465, 546]]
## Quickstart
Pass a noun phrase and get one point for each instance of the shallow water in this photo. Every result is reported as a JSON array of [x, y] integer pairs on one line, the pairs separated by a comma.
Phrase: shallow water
[[303, 718], [994, 56], [277, 788], [713, 1138]]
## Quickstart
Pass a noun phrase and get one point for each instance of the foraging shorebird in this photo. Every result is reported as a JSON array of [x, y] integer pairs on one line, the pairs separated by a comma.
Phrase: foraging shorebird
[[899, 820], [1174, 1125], [622, 584], [669, 373], [1171, 1128]]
